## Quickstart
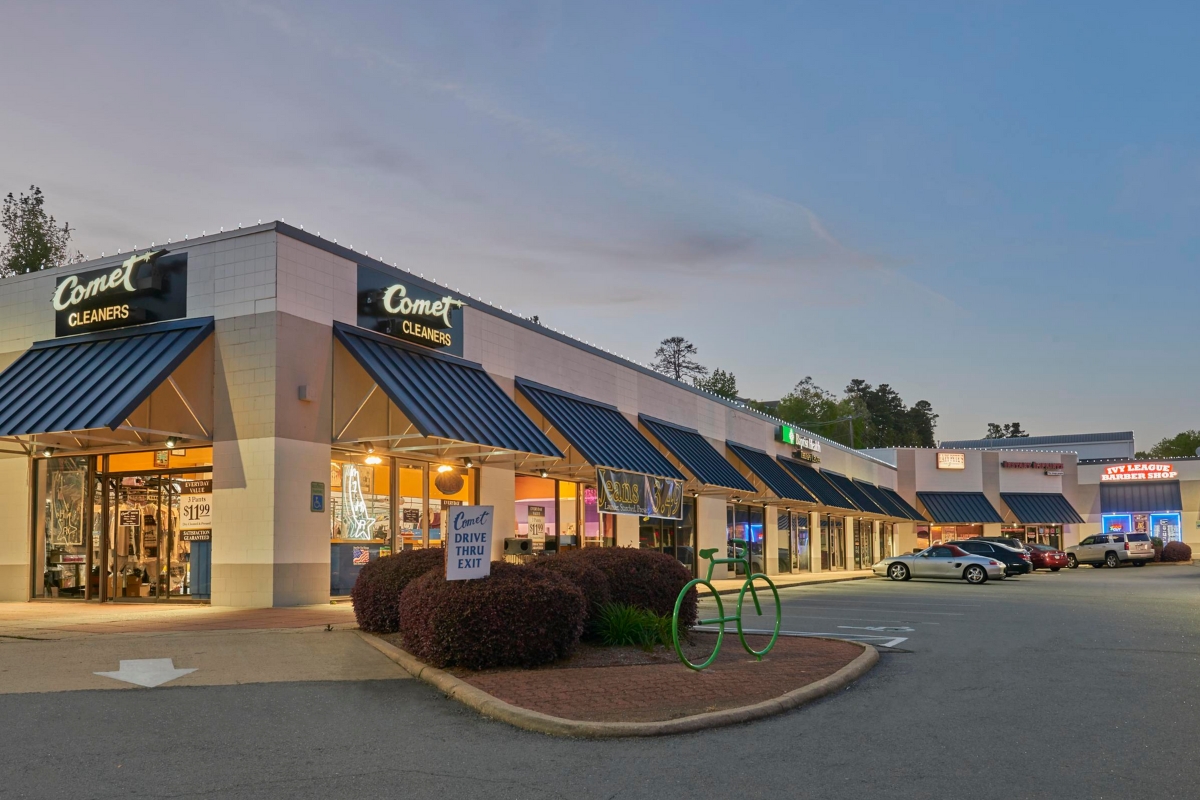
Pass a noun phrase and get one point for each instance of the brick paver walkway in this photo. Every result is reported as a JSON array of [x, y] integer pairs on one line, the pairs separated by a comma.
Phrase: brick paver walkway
[[651, 692], [81, 618]]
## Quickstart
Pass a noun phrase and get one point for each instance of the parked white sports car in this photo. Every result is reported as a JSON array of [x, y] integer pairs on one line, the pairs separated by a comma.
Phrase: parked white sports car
[[941, 561]]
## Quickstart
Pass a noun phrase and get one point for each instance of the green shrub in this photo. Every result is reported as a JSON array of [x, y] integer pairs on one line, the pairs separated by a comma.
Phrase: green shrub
[[1157, 544], [1177, 551], [619, 624], [376, 592], [517, 616]]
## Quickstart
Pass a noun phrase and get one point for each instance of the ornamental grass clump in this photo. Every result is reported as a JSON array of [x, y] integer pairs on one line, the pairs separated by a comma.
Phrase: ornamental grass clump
[[376, 592], [518, 616], [1176, 551], [644, 579], [619, 624]]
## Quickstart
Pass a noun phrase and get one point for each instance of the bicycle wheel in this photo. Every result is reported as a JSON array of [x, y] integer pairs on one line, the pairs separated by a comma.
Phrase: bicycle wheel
[[749, 586], [720, 620]]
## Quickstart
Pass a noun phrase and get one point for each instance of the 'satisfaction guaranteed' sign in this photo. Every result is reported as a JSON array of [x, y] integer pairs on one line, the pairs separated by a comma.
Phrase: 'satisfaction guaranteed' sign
[[469, 529], [623, 492], [150, 287], [408, 311], [1139, 471]]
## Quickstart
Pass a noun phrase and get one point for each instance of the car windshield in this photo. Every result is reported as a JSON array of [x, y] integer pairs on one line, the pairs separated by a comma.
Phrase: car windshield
[[1045, 548], [1139, 537]]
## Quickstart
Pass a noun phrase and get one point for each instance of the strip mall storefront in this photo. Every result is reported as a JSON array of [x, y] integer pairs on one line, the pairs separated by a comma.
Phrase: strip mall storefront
[[1159, 498], [249, 418]]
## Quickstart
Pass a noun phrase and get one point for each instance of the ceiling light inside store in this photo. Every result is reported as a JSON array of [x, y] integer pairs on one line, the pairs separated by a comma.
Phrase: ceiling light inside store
[[544, 473], [172, 442], [370, 447], [445, 468], [47, 451], [373, 460], [468, 463]]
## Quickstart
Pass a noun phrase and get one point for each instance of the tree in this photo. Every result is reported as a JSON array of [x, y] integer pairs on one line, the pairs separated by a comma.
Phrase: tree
[[719, 382], [922, 421], [34, 241], [810, 406], [1009, 430], [887, 421], [674, 358], [1181, 445]]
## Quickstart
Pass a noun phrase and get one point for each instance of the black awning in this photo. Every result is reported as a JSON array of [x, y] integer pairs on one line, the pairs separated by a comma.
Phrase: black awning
[[1142, 497], [769, 472], [825, 492], [902, 504], [95, 380], [882, 500], [598, 431], [959, 508], [1041, 508], [853, 493], [443, 396], [697, 455]]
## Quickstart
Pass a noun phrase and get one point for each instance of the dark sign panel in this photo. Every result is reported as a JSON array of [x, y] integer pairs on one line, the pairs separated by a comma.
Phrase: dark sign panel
[[151, 287], [389, 305], [623, 492]]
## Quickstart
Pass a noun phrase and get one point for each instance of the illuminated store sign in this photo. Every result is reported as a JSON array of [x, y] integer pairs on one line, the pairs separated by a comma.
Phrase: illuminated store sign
[[1050, 468], [409, 312], [1139, 471], [624, 492], [951, 460], [793, 436], [150, 287]]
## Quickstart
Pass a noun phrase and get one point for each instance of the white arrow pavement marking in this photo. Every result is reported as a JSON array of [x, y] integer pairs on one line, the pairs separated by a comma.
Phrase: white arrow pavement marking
[[881, 628], [148, 672]]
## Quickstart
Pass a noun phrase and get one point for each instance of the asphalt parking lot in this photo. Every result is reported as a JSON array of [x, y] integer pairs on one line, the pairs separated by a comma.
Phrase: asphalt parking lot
[[1074, 684]]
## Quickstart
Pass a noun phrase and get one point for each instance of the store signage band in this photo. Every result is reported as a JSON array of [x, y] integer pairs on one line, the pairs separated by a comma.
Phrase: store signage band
[[151, 287], [1139, 471], [951, 460], [622, 492], [409, 312], [793, 436]]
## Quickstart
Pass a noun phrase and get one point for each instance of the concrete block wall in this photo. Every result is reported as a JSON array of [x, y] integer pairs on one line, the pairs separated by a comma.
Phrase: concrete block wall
[[14, 528]]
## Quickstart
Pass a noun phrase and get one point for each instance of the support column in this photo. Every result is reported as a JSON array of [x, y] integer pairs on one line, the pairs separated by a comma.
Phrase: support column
[[628, 526], [498, 487], [814, 542], [771, 540], [710, 531], [15, 557]]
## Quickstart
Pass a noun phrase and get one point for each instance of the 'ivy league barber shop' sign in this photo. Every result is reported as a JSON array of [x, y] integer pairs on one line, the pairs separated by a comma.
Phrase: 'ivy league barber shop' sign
[[150, 287]]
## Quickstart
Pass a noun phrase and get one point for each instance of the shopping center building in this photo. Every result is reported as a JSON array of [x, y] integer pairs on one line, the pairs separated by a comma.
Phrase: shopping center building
[[250, 417]]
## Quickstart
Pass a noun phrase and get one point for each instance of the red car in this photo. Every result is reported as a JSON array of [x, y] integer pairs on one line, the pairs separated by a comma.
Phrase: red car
[[1046, 557]]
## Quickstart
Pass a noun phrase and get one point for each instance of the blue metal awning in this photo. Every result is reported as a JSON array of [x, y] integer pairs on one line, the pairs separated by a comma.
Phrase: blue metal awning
[[1041, 508], [955, 508], [825, 492], [94, 380], [443, 396], [854, 494], [1142, 497], [697, 455], [902, 504], [598, 431], [769, 472], [881, 499]]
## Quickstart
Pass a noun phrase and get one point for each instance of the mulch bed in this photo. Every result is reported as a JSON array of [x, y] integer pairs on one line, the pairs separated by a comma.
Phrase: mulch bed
[[628, 684]]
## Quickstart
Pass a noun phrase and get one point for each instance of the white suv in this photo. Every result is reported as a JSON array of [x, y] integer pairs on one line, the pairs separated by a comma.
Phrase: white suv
[[1112, 550]]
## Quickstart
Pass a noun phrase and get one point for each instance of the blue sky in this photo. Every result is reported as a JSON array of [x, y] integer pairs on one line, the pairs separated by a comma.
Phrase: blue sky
[[989, 205]]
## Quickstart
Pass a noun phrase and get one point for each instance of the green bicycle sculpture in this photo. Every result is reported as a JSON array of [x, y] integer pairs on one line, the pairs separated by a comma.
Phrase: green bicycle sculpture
[[743, 547]]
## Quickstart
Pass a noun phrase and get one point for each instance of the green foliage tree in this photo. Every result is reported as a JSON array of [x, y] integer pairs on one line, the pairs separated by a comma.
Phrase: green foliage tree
[[674, 358], [810, 406], [33, 239], [1009, 430], [888, 422], [1181, 445], [719, 382]]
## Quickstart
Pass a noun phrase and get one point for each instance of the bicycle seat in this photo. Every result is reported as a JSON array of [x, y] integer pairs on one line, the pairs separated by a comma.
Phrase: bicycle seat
[[709, 553]]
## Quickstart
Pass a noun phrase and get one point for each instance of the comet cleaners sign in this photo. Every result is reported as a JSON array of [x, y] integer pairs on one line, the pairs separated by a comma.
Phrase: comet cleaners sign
[[150, 287], [407, 311]]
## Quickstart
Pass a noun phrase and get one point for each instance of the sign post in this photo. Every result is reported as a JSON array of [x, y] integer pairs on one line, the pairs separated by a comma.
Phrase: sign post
[[469, 530]]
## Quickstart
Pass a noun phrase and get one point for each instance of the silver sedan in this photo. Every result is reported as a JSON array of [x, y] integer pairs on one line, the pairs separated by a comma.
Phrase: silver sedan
[[941, 561]]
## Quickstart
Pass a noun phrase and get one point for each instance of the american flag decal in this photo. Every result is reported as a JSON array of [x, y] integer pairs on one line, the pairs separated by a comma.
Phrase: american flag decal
[[362, 555]]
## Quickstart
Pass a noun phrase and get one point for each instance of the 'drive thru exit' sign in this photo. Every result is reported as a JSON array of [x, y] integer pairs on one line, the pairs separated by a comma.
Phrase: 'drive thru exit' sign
[[469, 530]]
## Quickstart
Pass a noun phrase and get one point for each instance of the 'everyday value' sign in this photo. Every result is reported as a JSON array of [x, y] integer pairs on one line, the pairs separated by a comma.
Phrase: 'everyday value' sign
[[469, 529]]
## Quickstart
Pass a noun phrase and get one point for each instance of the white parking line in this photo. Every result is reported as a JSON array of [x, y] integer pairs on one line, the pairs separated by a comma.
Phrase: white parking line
[[852, 637]]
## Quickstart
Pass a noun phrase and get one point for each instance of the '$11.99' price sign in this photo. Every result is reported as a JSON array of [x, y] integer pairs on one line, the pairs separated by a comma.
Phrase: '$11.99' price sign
[[195, 505]]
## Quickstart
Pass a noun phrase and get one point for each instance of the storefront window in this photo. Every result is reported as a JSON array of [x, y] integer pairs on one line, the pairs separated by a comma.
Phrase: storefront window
[[863, 530], [62, 541], [410, 506], [833, 542], [887, 539], [800, 546], [745, 523], [448, 486], [359, 516], [675, 538], [591, 518], [536, 519]]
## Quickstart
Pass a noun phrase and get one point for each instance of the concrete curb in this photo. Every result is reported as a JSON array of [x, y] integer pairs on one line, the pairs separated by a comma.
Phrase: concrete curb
[[497, 709], [703, 592]]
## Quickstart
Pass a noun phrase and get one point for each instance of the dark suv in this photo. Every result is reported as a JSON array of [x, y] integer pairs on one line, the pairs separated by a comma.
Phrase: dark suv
[[1016, 562]]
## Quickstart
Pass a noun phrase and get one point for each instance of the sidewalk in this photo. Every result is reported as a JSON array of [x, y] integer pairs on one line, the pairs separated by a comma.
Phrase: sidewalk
[[734, 585]]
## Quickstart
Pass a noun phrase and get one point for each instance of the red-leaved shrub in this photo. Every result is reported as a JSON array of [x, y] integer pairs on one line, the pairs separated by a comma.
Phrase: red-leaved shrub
[[376, 592], [643, 578], [517, 616], [591, 581], [1176, 551]]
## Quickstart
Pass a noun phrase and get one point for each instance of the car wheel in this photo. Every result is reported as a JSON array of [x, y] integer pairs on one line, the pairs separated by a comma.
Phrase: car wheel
[[1072, 561], [897, 572], [975, 574], [1055, 569], [1112, 560]]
